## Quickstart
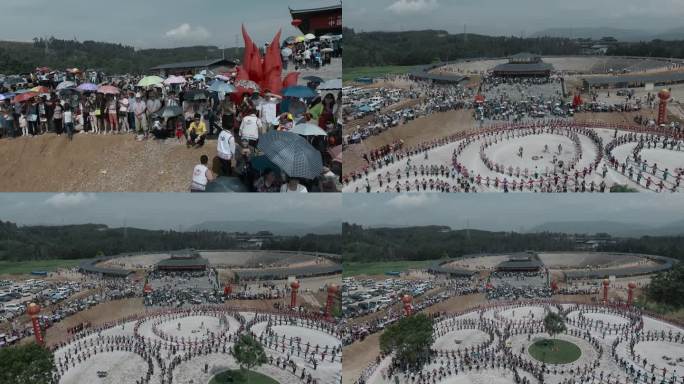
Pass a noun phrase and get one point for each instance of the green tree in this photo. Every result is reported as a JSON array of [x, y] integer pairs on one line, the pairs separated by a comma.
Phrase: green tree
[[668, 288], [249, 353], [410, 338], [26, 364], [554, 324]]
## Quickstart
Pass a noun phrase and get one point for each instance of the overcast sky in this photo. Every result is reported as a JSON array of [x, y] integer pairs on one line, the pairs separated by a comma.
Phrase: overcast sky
[[150, 23], [510, 17], [166, 210], [492, 211]]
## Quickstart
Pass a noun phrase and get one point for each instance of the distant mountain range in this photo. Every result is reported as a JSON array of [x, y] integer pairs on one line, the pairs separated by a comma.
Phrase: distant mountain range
[[612, 228], [618, 33], [275, 227]]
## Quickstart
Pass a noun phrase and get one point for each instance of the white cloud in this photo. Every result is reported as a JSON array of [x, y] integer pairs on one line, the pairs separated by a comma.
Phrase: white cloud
[[412, 6], [413, 200], [186, 32], [70, 200]]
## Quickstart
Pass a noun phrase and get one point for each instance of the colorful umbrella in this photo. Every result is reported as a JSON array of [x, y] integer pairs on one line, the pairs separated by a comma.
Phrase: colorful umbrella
[[87, 87], [24, 97], [108, 90], [247, 84], [299, 91], [150, 80], [175, 80], [40, 89]]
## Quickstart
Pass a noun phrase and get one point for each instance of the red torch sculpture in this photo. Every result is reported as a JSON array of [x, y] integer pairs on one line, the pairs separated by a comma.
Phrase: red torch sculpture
[[407, 299], [630, 293], [606, 284], [554, 286], [33, 310], [664, 96], [227, 289], [332, 291], [293, 294]]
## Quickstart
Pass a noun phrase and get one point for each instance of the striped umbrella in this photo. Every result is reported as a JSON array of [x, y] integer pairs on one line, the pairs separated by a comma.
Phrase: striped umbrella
[[292, 154]]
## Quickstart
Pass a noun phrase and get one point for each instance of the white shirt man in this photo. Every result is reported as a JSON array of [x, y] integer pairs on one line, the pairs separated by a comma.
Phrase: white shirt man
[[250, 127], [226, 145]]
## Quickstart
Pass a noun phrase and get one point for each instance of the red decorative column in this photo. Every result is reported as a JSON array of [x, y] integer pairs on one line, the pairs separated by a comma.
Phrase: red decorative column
[[606, 284], [664, 96], [554, 286], [407, 299], [227, 289], [630, 293], [293, 294], [33, 310], [147, 289], [332, 291]]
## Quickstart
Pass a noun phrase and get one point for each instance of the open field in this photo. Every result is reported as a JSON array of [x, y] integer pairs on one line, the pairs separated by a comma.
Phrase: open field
[[23, 267], [379, 268], [349, 74]]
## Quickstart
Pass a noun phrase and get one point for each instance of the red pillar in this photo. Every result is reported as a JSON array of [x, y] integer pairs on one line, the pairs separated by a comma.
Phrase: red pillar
[[332, 291], [293, 294], [227, 289], [606, 284], [664, 96], [630, 293], [407, 299], [33, 310]]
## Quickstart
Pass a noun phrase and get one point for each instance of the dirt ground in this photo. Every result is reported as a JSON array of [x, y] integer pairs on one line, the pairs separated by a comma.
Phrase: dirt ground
[[99, 163], [413, 133]]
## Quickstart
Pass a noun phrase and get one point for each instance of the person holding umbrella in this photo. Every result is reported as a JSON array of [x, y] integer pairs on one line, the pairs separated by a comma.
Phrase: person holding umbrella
[[226, 150], [293, 186]]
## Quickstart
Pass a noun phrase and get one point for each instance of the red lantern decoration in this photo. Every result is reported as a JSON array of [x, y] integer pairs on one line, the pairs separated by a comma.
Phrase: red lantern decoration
[[630, 293], [33, 310], [407, 299], [332, 291], [606, 284], [296, 23], [293, 293]]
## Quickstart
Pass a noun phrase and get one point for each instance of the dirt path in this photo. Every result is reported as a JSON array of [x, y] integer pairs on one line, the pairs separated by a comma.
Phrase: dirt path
[[413, 133], [90, 163]]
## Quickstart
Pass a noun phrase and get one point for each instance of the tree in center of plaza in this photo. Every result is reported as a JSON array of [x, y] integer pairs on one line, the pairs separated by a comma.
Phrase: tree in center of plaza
[[554, 324], [249, 353], [410, 339]]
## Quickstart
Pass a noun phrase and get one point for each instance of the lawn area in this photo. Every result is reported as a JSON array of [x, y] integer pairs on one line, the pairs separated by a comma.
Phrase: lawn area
[[349, 74], [379, 268], [235, 376], [22, 267], [552, 351]]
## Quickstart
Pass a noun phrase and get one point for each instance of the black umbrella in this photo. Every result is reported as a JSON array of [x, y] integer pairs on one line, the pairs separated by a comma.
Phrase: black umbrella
[[313, 79], [292, 154], [171, 111], [195, 95]]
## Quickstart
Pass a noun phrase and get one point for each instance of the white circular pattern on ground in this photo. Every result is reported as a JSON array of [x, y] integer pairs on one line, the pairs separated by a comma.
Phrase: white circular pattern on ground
[[526, 313], [607, 319], [663, 354], [460, 339], [506, 153], [307, 335], [192, 327], [121, 367]]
